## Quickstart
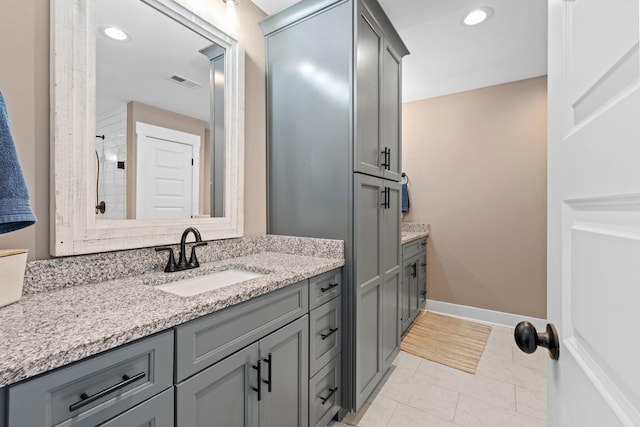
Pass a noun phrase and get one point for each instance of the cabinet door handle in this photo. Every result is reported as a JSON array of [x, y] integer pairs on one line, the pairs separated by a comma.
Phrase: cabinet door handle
[[268, 382], [387, 154], [331, 392], [328, 288], [328, 334], [424, 264], [413, 270], [85, 399], [423, 244], [258, 389], [423, 293]]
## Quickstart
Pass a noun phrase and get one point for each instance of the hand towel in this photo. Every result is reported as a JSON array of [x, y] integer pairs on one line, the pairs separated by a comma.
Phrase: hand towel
[[15, 210], [405, 197]]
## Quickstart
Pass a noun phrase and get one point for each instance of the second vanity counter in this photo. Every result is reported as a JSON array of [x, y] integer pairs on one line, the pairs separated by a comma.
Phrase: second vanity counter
[[46, 330]]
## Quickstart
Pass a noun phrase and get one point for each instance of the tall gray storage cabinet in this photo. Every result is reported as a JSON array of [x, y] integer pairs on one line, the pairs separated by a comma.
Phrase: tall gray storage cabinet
[[333, 116]]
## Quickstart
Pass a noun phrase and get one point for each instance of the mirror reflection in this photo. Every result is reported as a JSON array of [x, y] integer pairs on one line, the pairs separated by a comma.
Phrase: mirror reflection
[[159, 116]]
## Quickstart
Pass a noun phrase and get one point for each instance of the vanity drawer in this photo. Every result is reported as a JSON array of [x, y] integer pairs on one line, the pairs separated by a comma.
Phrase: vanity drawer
[[155, 412], [324, 394], [324, 287], [325, 334], [412, 248], [94, 390], [203, 342]]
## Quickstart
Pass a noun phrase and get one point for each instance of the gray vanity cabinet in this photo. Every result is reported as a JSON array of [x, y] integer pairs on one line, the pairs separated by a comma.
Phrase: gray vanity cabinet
[[414, 281], [93, 391], [333, 144], [264, 384], [377, 279]]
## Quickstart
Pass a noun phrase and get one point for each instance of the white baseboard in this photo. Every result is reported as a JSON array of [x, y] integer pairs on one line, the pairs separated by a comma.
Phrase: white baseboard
[[483, 315]]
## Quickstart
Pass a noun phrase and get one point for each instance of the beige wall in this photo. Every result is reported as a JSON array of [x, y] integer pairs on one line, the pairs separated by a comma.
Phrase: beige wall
[[24, 82], [477, 167]]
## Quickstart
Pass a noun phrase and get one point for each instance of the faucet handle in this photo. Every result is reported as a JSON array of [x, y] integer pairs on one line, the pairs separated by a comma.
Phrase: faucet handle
[[171, 264], [193, 259]]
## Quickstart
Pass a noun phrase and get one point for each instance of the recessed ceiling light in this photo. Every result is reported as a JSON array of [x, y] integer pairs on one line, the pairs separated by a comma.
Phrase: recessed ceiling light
[[477, 16], [115, 33]]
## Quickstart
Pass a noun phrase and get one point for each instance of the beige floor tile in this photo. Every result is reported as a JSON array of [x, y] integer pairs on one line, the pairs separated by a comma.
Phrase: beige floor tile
[[537, 360], [532, 403], [518, 375], [407, 361], [483, 388], [377, 413], [475, 413], [406, 416], [421, 395]]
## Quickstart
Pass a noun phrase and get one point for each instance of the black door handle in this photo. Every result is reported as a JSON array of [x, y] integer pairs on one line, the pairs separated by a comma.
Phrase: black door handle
[[328, 334], [331, 392], [85, 399], [328, 288], [528, 339]]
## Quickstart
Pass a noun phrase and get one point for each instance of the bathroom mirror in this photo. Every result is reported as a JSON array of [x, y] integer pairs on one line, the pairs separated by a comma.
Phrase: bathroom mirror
[[147, 131]]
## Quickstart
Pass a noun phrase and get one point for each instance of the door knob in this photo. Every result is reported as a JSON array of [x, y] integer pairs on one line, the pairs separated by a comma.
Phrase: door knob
[[528, 339]]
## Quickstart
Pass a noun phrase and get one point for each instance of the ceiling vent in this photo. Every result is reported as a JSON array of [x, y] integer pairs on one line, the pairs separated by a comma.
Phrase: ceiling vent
[[183, 81]]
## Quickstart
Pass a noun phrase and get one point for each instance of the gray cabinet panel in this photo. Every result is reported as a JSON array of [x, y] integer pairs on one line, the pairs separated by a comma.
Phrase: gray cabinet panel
[[409, 285], [392, 274], [325, 394], [422, 278], [204, 341], [369, 343], [391, 111], [325, 334], [324, 287], [285, 402], [367, 144], [308, 96], [155, 412], [47, 399], [367, 223], [221, 396]]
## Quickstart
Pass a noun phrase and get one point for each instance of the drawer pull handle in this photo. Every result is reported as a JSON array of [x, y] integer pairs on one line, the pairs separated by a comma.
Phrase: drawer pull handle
[[328, 334], [258, 389], [331, 392], [328, 288], [424, 264], [423, 293], [268, 382], [86, 399], [423, 244]]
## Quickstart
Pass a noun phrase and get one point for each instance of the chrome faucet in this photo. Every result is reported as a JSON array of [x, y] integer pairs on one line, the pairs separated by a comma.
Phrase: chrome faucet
[[183, 264]]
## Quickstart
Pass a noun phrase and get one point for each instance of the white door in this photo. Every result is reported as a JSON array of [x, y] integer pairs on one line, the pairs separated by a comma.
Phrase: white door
[[594, 212], [167, 173]]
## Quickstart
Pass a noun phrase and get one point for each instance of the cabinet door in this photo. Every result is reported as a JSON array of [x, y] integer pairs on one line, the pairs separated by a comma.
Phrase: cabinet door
[[391, 112], [422, 278], [368, 198], [222, 395], [414, 304], [367, 151], [285, 376], [405, 307], [391, 273]]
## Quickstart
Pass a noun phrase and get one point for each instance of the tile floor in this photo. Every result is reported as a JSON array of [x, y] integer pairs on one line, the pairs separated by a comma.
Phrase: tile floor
[[508, 389]]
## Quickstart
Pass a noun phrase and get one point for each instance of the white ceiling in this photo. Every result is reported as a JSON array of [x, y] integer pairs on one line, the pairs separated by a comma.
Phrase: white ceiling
[[448, 57], [137, 70]]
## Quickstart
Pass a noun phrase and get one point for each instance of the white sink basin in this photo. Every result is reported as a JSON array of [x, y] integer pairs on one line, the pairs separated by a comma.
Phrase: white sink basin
[[217, 280]]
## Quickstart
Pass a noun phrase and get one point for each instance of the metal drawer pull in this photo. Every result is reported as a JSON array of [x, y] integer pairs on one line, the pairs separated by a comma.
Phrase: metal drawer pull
[[423, 244], [86, 399], [328, 334], [258, 389], [331, 391], [268, 382], [328, 288], [423, 293]]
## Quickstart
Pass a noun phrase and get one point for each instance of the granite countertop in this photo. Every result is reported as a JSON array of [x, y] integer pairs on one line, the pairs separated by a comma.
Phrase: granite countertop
[[410, 231], [46, 330]]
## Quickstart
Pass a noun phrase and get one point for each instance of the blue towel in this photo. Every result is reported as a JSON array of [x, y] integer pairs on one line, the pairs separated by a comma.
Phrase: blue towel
[[15, 211], [405, 197]]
